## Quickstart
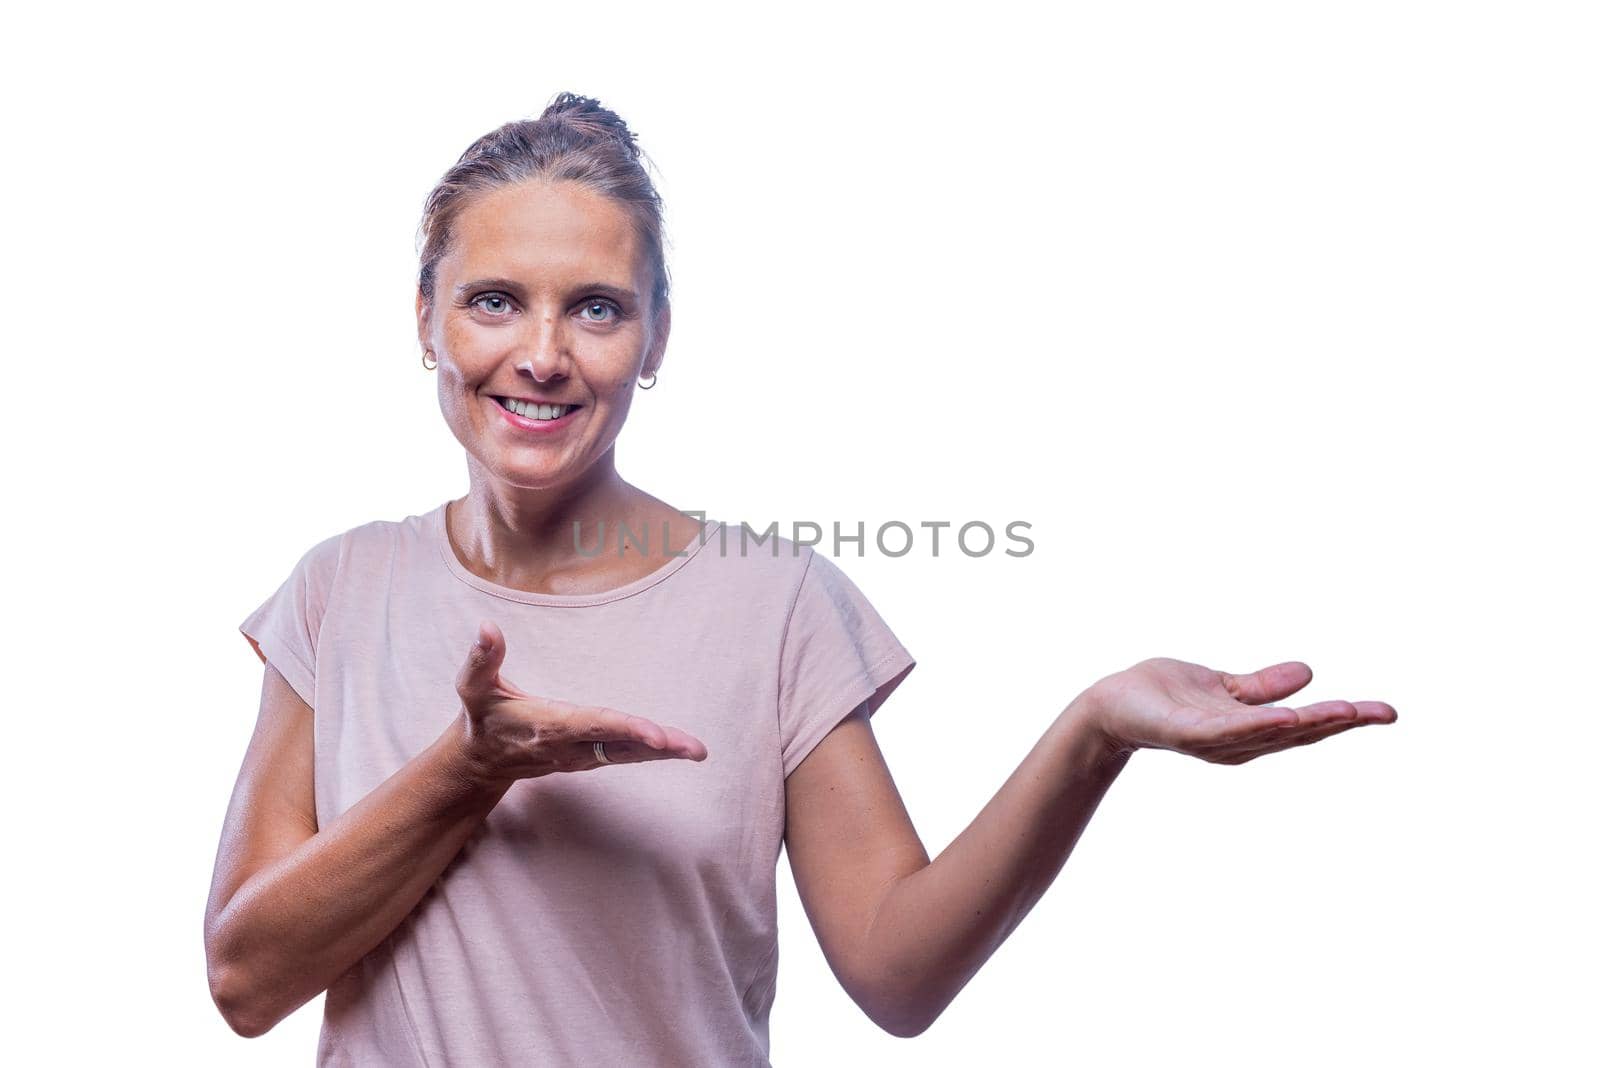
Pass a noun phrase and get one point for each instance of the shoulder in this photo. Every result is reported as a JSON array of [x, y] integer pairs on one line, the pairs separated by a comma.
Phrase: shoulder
[[781, 571], [361, 545], [758, 558]]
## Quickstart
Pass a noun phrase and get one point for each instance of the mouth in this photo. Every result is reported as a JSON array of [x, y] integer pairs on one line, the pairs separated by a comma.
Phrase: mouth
[[536, 417], [536, 411]]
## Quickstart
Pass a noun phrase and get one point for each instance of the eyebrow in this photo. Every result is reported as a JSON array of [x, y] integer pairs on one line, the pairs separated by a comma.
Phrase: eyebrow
[[620, 293]]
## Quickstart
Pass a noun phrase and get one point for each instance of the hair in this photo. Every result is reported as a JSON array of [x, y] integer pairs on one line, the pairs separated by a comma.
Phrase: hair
[[575, 139]]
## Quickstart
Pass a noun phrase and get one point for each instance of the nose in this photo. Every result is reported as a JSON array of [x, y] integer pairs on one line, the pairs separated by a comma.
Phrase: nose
[[546, 356]]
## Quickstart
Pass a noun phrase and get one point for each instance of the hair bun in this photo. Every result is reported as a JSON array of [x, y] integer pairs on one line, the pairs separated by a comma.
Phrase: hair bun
[[588, 115]]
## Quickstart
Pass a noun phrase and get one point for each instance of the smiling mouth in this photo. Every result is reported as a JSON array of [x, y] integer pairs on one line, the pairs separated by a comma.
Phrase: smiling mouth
[[536, 411]]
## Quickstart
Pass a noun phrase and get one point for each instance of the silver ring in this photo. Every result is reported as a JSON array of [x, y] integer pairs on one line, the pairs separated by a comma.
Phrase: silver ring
[[600, 753]]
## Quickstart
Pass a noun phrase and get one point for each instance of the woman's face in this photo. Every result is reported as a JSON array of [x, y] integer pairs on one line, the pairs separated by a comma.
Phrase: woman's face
[[543, 298]]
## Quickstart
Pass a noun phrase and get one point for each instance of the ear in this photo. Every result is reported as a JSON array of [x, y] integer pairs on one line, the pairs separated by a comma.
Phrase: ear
[[658, 340], [424, 317]]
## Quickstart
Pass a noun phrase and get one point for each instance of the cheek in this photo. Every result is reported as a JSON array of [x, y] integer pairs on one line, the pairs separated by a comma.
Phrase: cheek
[[609, 373], [619, 402], [466, 342], [615, 388]]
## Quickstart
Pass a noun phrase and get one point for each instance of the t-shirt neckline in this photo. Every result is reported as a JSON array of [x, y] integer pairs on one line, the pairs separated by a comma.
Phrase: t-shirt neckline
[[441, 539]]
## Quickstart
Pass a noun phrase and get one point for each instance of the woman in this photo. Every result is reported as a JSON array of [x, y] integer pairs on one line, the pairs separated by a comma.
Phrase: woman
[[431, 824]]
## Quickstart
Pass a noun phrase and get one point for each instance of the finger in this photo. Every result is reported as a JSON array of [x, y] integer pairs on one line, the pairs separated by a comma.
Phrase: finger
[[627, 752], [1250, 732], [1272, 683], [1269, 684], [1319, 721], [1238, 724], [1313, 717], [476, 679], [685, 744], [1359, 712], [1289, 740], [1376, 711], [609, 725]]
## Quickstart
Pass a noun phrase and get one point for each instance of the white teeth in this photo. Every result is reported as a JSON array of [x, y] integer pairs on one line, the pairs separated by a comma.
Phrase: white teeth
[[543, 412]]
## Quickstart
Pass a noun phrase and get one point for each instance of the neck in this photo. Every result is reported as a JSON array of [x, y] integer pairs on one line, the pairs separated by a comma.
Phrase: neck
[[509, 528]]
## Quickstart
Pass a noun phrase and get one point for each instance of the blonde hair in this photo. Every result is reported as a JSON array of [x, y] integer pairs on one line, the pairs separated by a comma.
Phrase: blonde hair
[[575, 139]]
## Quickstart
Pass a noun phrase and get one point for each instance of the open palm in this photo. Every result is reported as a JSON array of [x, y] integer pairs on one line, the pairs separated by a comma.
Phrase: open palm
[[1225, 719]]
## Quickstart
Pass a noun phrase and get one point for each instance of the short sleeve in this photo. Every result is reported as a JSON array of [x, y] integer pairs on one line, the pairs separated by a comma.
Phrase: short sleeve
[[283, 631], [837, 654]]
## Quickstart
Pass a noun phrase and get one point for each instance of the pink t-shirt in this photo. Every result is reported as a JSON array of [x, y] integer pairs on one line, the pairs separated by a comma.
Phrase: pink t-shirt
[[621, 916]]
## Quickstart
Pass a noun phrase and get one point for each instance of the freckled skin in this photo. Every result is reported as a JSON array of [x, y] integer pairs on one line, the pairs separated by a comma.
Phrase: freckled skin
[[547, 334]]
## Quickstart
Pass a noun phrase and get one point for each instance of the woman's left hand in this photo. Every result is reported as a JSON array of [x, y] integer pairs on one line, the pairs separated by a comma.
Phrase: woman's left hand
[[1225, 719]]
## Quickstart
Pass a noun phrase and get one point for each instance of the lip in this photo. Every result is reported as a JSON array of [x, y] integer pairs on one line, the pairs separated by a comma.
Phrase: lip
[[535, 426]]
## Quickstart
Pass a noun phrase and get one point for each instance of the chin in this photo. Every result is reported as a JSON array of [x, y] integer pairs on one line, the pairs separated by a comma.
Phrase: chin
[[535, 478], [533, 473]]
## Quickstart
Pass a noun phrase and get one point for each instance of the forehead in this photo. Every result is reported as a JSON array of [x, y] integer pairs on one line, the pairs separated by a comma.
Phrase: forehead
[[544, 228]]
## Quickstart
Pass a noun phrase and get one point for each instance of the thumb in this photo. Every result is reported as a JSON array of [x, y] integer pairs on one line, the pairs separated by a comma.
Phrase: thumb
[[479, 674], [1270, 684]]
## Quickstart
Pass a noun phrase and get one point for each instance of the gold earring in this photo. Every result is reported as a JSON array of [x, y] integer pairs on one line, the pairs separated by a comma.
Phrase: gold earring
[[425, 363], [652, 384]]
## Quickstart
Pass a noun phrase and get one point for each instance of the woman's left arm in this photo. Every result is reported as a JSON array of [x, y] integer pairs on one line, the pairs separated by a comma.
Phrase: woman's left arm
[[903, 934]]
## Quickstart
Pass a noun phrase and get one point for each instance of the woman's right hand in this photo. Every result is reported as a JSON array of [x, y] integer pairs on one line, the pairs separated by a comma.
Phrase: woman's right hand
[[507, 734]]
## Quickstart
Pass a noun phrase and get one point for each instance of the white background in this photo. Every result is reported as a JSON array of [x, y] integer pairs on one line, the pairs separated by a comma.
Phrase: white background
[[1276, 321]]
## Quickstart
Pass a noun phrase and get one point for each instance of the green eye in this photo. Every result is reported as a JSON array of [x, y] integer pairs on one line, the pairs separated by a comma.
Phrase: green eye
[[602, 306]]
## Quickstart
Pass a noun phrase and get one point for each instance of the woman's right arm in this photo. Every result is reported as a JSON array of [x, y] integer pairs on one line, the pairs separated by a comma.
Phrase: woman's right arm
[[292, 906]]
